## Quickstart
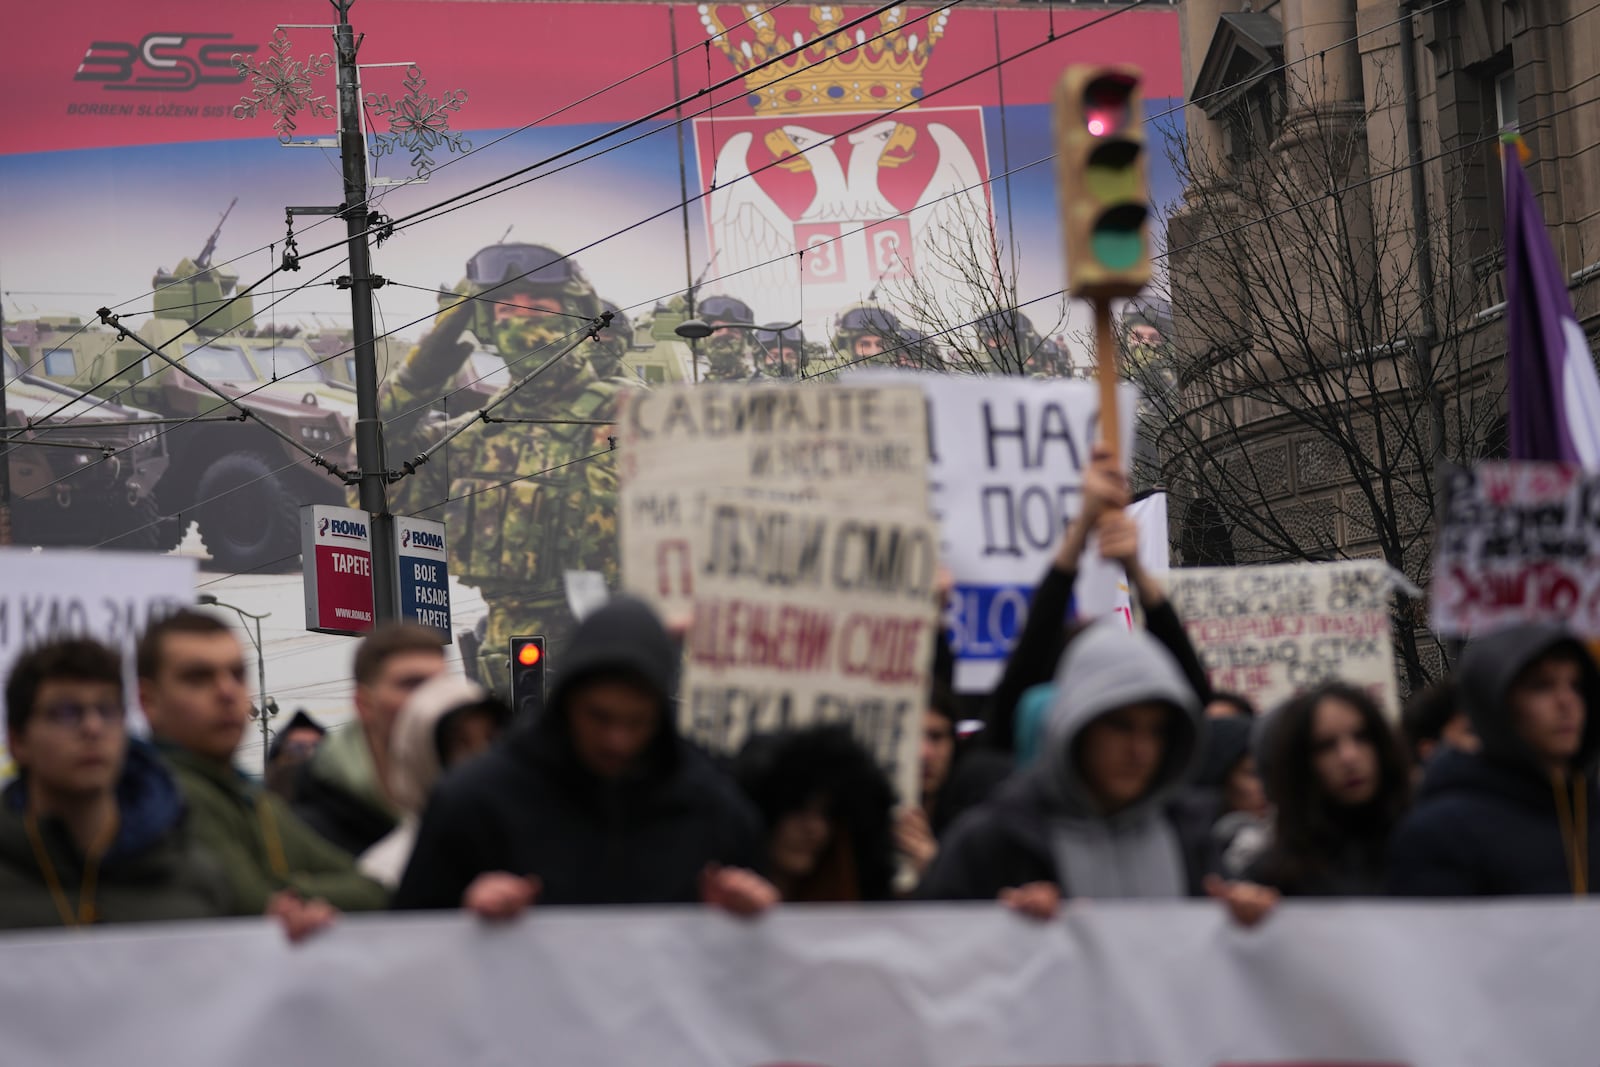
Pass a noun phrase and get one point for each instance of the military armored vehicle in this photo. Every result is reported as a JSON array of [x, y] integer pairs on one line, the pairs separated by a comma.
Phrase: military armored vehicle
[[82, 473], [237, 480]]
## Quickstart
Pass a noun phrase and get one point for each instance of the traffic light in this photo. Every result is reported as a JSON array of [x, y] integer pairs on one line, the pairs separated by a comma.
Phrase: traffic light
[[527, 677], [1103, 180]]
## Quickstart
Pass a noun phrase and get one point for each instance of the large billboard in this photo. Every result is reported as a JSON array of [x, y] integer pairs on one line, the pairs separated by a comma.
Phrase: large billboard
[[800, 160]]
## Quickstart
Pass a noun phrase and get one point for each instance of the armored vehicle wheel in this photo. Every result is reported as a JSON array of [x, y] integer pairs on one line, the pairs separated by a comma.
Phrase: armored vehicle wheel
[[248, 520]]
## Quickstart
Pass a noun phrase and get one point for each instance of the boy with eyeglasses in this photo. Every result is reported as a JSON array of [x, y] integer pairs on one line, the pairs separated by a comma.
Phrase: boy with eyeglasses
[[92, 831]]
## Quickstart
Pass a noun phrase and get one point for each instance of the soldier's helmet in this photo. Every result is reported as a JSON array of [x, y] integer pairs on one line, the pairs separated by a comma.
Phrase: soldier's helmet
[[723, 309], [537, 269], [864, 320], [1005, 330], [917, 349], [771, 336], [784, 349]]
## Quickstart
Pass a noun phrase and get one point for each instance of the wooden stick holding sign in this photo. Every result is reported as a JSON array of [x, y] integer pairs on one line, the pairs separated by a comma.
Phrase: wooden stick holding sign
[[1102, 176]]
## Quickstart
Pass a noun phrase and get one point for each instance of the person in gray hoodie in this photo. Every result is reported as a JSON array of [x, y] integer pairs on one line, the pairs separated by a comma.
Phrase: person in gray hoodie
[[1088, 818]]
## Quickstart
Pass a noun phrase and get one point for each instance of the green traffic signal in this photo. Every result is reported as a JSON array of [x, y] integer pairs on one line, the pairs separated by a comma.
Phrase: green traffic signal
[[1118, 236]]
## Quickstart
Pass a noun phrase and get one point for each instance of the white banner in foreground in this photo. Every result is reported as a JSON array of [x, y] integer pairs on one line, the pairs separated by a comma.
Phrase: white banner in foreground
[[897, 986]]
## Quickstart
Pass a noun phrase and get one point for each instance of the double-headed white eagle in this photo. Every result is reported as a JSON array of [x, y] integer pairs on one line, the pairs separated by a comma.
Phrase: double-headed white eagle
[[755, 238]]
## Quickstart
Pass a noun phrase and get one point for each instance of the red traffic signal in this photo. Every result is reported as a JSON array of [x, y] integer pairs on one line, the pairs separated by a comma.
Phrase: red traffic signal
[[527, 676]]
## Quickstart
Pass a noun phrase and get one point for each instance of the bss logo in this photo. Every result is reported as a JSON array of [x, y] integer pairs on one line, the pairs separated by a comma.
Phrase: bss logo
[[173, 62]]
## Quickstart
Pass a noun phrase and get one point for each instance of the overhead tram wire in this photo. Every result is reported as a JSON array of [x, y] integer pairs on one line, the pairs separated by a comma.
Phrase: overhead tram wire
[[992, 178], [799, 48], [199, 416], [598, 138], [92, 402], [875, 117], [295, 463], [463, 155], [1161, 255]]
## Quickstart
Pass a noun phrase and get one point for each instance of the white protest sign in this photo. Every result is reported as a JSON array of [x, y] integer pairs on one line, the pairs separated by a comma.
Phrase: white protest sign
[[1115, 985], [1006, 458], [586, 592], [109, 596], [1517, 542], [680, 445], [1270, 632], [807, 614]]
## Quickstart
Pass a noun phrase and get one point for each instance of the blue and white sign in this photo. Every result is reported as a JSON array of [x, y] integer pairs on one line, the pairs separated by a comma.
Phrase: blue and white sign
[[424, 575]]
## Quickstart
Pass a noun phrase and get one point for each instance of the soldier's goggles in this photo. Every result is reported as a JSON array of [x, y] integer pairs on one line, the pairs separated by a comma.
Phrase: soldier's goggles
[[540, 265]]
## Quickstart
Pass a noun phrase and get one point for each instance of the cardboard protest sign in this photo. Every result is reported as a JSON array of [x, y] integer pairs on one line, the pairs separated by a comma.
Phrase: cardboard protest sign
[[1006, 458], [810, 613], [856, 445], [1517, 542], [1270, 632], [109, 596]]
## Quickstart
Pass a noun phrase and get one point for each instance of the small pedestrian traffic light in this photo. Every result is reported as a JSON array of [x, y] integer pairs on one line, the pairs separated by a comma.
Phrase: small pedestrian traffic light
[[1103, 181], [527, 677]]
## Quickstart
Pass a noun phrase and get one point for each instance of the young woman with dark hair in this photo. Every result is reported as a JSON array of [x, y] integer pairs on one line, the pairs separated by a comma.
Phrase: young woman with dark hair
[[829, 813], [1339, 782]]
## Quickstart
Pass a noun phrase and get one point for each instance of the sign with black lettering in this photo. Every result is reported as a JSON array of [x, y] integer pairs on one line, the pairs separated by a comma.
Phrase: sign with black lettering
[[109, 596], [806, 614], [336, 546], [1517, 542], [1271, 632], [1006, 459], [680, 445], [422, 563]]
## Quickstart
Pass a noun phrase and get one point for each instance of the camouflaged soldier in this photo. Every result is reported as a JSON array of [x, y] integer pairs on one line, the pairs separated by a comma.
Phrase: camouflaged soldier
[[1014, 346], [727, 350], [782, 350], [524, 502], [867, 335]]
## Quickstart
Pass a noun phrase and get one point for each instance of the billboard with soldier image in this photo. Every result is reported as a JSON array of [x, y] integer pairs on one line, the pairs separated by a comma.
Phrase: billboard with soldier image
[[778, 176]]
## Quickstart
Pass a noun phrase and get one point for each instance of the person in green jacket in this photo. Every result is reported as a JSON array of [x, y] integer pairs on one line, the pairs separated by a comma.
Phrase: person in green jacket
[[340, 792], [92, 831], [192, 687]]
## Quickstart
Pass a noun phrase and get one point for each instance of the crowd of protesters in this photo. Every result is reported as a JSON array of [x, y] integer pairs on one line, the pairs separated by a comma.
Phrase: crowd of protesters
[[1106, 767]]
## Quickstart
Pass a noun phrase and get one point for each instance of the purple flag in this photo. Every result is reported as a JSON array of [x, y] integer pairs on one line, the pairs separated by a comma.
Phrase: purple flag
[[1554, 391]]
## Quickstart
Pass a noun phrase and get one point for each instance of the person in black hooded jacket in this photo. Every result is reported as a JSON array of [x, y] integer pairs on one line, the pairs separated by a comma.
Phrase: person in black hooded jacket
[[829, 812], [1513, 818], [598, 801]]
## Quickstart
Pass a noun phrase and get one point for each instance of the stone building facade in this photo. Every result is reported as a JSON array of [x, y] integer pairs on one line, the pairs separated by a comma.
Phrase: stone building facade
[[1337, 267]]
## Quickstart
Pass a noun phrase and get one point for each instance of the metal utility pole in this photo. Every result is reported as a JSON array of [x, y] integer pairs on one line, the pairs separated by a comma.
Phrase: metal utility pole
[[370, 456], [7, 447]]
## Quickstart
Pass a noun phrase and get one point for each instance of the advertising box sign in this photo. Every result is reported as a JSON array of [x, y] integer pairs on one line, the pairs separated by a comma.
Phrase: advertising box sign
[[336, 546], [424, 573]]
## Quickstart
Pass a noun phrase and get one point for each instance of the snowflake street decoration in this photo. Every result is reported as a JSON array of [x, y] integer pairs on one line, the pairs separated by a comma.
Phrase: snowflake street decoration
[[282, 87], [418, 122]]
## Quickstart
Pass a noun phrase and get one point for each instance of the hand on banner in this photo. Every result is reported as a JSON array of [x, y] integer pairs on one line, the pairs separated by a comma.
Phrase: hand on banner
[[1036, 900], [499, 896], [299, 917], [737, 891], [1247, 902], [914, 840]]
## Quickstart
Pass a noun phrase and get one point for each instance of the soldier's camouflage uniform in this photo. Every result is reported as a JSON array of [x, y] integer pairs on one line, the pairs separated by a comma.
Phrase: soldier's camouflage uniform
[[524, 504]]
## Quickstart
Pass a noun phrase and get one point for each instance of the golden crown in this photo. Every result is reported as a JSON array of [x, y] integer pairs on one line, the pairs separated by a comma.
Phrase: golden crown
[[838, 70]]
